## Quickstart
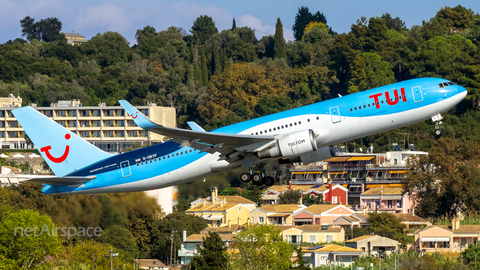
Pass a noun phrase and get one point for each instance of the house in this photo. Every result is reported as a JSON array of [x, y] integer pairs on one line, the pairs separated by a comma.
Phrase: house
[[332, 254], [447, 238], [413, 221], [321, 214], [151, 264], [277, 214], [313, 234], [348, 222], [220, 212], [191, 245], [373, 245], [228, 199], [74, 38], [339, 192], [385, 199]]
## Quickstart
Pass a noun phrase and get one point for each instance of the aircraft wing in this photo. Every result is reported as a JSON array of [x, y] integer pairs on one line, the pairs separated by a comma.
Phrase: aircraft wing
[[63, 181], [199, 138]]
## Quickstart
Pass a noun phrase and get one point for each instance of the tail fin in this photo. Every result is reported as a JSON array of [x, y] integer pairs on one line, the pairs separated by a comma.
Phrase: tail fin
[[62, 149]]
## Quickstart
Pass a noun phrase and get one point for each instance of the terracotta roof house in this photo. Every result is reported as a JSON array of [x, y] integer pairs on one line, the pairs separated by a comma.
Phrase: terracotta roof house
[[413, 221], [277, 214], [339, 193], [321, 214], [348, 222], [447, 238], [313, 234], [331, 254], [193, 243], [373, 245], [385, 199]]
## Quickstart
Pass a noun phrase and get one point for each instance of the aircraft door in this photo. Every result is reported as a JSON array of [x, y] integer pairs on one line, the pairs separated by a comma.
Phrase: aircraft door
[[417, 94], [125, 167], [335, 114]]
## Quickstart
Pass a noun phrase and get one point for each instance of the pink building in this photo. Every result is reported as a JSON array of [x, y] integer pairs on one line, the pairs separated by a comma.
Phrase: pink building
[[389, 199], [321, 214]]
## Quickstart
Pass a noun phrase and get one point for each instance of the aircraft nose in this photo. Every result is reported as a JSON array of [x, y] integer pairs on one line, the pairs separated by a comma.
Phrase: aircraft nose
[[462, 91]]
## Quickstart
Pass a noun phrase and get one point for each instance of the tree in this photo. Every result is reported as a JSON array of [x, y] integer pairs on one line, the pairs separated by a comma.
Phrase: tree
[[203, 66], [369, 71], [290, 197], [47, 30], [471, 255], [279, 50], [212, 255], [216, 67], [203, 28], [261, 247], [457, 18], [447, 181], [304, 17], [301, 261], [234, 25], [27, 238], [119, 237], [387, 225]]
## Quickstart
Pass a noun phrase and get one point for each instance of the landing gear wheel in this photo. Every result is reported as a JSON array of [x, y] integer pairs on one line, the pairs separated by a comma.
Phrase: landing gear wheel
[[438, 132], [257, 179], [269, 181], [245, 177]]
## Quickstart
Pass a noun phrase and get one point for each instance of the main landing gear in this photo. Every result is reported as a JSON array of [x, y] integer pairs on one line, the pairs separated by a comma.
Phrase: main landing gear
[[257, 179], [437, 120]]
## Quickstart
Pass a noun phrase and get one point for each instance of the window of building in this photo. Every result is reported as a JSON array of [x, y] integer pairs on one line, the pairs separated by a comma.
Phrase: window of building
[[108, 113], [260, 220], [84, 113], [120, 123], [312, 238], [390, 203], [85, 134], [62, 123], [132, 133], [96, 134], [145, 112], [2, 113], [131, 123], [72, 123], [13, 134], [2, 124], [96, 123], [239, 209], [329, 238], [109, 123], [120, 112], [95, 112], [14, 124], [47, 113], [61, 113], [120, 133], [72, 113], [2, 134], [143, 133], [109, 133], [399, 203], [84, 123]]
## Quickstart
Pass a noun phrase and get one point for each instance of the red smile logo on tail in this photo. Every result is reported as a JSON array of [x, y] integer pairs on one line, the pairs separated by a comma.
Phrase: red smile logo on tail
[[136, 114], [46, 149]]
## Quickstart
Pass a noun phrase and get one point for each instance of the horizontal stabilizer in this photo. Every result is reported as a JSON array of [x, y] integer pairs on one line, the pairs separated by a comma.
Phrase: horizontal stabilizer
[[62, 181]]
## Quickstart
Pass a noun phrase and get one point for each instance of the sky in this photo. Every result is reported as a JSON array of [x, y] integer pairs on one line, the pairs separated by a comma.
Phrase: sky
[[90, 17]]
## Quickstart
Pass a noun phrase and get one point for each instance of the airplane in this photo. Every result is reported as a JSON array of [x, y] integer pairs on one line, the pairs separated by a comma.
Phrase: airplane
[[305, 134]]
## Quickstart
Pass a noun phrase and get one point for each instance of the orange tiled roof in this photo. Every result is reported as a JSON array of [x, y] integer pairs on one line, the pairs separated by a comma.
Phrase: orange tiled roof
[[411, 218], [236, 199], [281, 208], [317, 209], [335, 248], [211, 207], [463, 228], [360, 238], [384, 191], [318, 228], [199, 237]]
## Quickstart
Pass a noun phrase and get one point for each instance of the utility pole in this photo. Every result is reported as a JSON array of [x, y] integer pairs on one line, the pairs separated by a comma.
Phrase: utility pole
[[93, 261]]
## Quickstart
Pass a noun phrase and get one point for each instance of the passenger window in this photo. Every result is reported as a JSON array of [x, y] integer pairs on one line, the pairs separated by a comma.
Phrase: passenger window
[[274, 129], [290, 124], [261, 132], [318, 118], [299, 122], [355, 108], [363, 106], [351, 109], [368, 104], [308, 120], [294, 124]]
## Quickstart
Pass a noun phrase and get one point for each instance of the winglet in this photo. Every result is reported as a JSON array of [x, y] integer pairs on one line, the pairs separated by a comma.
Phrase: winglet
[[194, 126], [139, 118]]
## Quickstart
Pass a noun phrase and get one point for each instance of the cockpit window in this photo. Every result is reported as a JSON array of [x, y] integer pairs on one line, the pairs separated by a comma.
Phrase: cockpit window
[[445, 84]]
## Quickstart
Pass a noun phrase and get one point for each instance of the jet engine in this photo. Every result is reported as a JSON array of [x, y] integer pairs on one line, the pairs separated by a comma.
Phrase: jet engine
[[293, 144], [318, 155]]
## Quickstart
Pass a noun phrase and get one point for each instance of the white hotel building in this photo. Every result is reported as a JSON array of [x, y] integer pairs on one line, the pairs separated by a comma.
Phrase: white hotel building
[[107, 127]]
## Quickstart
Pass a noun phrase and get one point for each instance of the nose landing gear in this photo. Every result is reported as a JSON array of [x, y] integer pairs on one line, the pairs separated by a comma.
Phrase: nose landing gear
[[437, 120]]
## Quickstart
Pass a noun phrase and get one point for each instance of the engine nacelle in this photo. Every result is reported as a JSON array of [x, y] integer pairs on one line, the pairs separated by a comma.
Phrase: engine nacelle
[[318, 155], [291, 145]]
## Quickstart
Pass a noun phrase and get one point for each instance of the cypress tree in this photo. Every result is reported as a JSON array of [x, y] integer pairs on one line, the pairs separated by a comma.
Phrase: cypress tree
[[196, 62], [216, 68], [223, 59], [203, 63], [234, 25], [279, 50]]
